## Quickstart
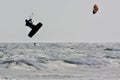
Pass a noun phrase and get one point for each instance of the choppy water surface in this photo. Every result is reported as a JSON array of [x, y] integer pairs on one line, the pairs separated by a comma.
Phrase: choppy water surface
[[60, 61]]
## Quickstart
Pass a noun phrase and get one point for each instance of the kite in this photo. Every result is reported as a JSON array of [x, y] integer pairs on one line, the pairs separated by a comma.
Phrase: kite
[[95, 9]]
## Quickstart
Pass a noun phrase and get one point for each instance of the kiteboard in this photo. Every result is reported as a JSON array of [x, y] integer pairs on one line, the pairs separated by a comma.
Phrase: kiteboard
[[34, 30]]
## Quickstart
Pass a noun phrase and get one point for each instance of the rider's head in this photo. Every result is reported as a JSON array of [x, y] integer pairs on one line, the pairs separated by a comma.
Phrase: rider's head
[[26, 20]]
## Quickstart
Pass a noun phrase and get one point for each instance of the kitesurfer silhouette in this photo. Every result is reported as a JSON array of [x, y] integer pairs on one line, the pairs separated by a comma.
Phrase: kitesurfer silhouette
[[34, 28], [29, 23]]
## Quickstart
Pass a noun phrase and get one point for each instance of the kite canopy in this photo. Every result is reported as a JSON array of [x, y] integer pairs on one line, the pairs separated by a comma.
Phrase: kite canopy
[[95, 9]]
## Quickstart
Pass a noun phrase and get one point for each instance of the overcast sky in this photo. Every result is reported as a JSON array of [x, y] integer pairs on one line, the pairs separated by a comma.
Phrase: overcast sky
[[63, 20]]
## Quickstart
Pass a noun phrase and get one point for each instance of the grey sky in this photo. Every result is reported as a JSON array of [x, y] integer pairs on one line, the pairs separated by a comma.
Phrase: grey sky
[[63, 20]]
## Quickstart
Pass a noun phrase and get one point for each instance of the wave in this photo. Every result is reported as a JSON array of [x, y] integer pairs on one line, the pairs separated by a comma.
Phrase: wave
[[87, 61], [44, 56]]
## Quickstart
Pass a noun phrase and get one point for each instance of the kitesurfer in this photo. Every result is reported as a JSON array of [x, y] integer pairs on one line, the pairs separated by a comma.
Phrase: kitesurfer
[[29, 23], [34, 28]]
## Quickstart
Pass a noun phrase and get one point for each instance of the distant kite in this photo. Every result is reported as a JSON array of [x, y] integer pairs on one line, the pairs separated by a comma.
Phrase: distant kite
[[95, 9]]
